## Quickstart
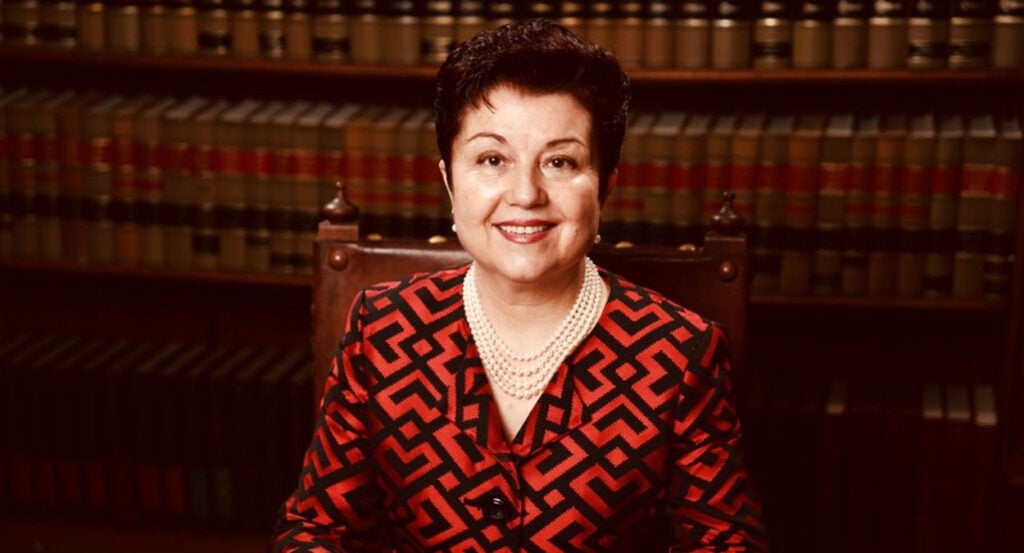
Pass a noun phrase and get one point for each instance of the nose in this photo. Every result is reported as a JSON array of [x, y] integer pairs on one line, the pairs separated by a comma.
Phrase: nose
[[526, 188]]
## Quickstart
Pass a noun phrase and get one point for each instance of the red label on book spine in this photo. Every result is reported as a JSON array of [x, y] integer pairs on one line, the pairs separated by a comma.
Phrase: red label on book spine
[[95, 486], [174, 490], [20, 471], [23, 148], [45, 482], [686, 177], [46, 149], [228, 160], [1006, 182], [97, 152], [977, 179], [944, 180], [304, 163], [149, 488], [262, 163], [69, 483]]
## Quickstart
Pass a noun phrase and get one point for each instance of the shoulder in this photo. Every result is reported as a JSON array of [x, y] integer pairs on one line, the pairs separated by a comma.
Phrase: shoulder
[[637, 302], [419, 295]]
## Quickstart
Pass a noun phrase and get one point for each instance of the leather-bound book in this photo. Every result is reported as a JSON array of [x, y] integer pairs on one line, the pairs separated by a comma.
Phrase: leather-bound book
[[358, 167], [182, 27], [805, 437], [658, 33], [127, 194], [272, 35], [865, 462], [153, 39], [693, 34], [772, 46], [7, 100], [21, 171], [140, 398], [628, 33], [304, 169], [47, 175], [688, 179], [213, 24], [98, 185], [244, 28], [91, 16], [1008, 35], [298, 30], [942, 206], [149, 179], [1002, 221], [330, 31], [915, 188], [812, 34], [970, 33], [900, 464], [257, 167], [201, 189], [435, 198], [170, 430], [438, 31], [230, 184], [469, 19], [931, 467], [501, 12], [887, 35], [383, 199], [400, 33], [954, 518], [58, 25], [768, 218], [176, 209], [273, 419], [21, 22], [123, 26], [365, 31], [732, 29], [983, 490], [627, 201], [836, 467], [928, 34], [333, 152], [717, 161], [883, 210], [974, 207], [10, 344], [408, 214], [834, 182], [70, 178], [658, 190], [780, 504], [600, 23], [571, 16], [801, 193], [850, 34], [282, 208], [744, 153], [856, 236]]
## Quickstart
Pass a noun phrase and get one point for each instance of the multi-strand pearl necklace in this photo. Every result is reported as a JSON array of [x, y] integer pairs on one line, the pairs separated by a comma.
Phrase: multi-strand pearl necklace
[[524, 376]]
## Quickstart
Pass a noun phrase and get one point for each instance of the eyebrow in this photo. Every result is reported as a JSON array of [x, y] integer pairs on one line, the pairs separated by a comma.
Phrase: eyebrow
[[502, 139]]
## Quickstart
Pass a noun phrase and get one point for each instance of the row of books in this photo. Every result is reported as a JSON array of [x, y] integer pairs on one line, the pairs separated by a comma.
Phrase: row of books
[[177, 434], [858, 463], [692, 34], [913, 205]]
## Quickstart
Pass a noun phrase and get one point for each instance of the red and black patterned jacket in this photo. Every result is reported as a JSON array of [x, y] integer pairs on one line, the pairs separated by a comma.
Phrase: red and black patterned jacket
[[632, 446]]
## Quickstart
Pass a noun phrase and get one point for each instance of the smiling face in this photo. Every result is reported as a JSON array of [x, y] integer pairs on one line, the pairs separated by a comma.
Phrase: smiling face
[[525, 186]]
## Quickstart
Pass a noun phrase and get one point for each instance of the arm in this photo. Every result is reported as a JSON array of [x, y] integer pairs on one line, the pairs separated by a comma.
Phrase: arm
[[336, 506], [712, 505]]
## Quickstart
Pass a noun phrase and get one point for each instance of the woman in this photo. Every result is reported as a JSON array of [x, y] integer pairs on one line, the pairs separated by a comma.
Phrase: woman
[[525, 418]]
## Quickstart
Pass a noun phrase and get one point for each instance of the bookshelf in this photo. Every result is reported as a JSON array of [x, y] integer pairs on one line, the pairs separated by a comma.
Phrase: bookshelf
[[273, 309]]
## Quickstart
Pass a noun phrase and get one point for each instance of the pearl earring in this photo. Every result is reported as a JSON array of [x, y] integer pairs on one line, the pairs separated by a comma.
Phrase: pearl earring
[[453, 228], [597, 238]]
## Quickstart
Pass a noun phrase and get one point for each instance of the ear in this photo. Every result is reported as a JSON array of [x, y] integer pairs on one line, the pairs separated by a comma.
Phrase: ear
[[444, 177], [612, 179]]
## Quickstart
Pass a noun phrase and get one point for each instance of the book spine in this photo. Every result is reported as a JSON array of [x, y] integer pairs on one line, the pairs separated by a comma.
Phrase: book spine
[[942, 209], [405, 188], [305, 171], [693, 35], [182, 27], [772, 46], [850, 34], [571, 16], [365, 30], [91, 16], [47, 182], [58, 25], [256, 166], [149, 178], [24, 223], [686, 181], [731, 34], [884, 215], [970, 33], [767, 222], [866, 438], [984, 466], [213, 28], [298, 30], [887, 35], [812, 34], [915, 184], [834, 179], [1002, 220], [21, 22], [244, 29], [230, 198], [399, 33], [628, 33], [124, 204], [205, 243], [835, 454], [1008, 35], [153, 27], [900, 463], [123, 26], [469, 19], [438, 36], [98, 188], [658, 34], [177, 212], [973, 209], [70, 147], [954, 514], [802, 182], [281, 208], [928, 34]]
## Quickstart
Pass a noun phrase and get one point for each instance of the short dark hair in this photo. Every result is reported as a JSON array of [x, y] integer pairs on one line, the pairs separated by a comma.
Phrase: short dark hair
[[535, 56]]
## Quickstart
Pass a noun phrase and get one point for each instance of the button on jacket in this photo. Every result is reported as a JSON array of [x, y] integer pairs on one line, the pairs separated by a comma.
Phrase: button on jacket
[[631, 447]]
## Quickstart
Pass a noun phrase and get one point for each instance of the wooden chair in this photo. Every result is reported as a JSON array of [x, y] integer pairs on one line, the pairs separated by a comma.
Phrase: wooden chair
[[712, 279]]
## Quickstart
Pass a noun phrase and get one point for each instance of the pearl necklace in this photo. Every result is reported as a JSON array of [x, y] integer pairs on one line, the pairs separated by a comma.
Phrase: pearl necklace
[[535, 370]]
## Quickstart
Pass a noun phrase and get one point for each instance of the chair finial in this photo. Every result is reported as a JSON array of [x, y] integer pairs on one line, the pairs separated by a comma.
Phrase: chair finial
[[727, 221], [340, 210]]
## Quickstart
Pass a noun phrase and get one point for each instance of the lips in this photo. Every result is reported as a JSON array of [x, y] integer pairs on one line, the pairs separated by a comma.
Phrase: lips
[[523, 229], [524, 232]]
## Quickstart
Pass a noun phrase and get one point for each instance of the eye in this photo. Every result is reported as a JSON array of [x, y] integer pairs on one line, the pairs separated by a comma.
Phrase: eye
[[490, 160], [563, 163]]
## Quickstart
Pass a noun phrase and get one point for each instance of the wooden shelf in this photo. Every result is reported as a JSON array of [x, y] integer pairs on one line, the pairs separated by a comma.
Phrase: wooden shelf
[[880, 304], [278, 69], [26, 535], [142, 273]]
